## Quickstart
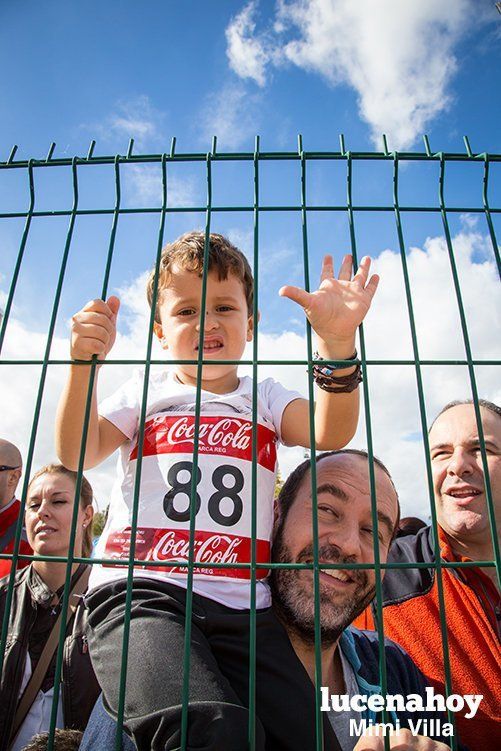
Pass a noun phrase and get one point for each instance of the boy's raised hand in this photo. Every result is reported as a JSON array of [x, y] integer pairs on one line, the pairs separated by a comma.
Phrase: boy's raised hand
[[338, 306], [94, 329]]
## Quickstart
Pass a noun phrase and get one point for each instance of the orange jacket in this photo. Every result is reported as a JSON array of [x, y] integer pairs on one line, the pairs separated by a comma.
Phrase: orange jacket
[[411, 618]]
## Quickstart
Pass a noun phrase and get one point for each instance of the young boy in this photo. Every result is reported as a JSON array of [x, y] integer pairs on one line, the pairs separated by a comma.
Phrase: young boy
[[220, 621]]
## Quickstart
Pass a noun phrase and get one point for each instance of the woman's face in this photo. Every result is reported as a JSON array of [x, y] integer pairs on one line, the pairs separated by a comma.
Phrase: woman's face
[[49, 511]]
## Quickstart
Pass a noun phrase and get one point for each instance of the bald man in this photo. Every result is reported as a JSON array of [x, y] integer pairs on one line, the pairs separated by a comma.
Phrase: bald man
[[11, 465], [411, 605]]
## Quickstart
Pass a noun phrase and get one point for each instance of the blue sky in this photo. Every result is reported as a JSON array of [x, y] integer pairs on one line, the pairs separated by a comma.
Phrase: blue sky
[[68, 66], [76, 71]]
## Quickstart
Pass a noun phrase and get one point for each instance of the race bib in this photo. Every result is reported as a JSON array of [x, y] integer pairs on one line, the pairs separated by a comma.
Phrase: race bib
[[223, 501]]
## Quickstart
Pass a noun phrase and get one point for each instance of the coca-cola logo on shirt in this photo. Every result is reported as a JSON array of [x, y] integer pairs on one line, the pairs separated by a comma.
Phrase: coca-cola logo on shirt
[[227, 432], [226, 436], [173, 545], [215, 548]]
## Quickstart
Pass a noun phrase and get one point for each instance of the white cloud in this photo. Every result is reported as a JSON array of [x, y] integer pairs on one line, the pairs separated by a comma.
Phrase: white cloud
[[393, 391], [133, 118], [469, 220], [143, 186], [393, 395], [397, 56], [246, 52], [232, 114]]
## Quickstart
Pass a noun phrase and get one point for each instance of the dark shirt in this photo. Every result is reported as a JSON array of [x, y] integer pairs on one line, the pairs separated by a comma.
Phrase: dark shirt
[[45, 619]]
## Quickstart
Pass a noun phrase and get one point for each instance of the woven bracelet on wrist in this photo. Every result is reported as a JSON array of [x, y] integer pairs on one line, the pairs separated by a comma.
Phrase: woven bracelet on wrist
[[325, 378]]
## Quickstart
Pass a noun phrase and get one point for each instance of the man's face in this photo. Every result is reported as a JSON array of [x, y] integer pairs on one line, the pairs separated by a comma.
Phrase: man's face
[[345, 535], [9, 479], [228, 326], [458, 476]]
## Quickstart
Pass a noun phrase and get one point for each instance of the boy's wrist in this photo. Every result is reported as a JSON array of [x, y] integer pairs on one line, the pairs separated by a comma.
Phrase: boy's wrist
[[81, 368], [336, 349]]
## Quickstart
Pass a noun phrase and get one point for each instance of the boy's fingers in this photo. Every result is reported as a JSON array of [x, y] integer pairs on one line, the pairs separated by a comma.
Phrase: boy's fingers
[[372, 286], [93, 319], [100, 306], [96, 306], [86, 347], [346, 269], [296, 294], [327, 271], [113, 303], [92, 331], [363, 271]]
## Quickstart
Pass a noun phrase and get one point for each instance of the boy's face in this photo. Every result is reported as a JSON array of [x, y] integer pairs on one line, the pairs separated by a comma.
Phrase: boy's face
[[228, 326]]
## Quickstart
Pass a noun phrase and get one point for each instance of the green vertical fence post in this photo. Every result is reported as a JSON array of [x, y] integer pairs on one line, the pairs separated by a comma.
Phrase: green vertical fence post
[[319, 736], [255, 454], [137, 481], [370, 450], [38, 405], [17, 268], [488, 213], [3, 329], [471, 370], [195, 470], [424, 430]]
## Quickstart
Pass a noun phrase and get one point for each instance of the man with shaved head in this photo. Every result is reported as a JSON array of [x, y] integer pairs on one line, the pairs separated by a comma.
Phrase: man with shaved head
[[349, 658], [11, 465], [411, 596]]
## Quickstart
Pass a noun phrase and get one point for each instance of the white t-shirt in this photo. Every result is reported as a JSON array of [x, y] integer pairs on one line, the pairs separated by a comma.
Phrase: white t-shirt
[[224, 484], [38, 718]]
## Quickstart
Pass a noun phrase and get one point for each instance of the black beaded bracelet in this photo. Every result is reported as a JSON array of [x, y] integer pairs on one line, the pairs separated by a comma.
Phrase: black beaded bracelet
[[326, 380]]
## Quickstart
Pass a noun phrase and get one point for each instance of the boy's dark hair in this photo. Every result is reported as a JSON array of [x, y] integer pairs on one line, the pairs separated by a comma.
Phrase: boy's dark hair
[[289, 490], [188, 252], [494, 408], [64, 740]]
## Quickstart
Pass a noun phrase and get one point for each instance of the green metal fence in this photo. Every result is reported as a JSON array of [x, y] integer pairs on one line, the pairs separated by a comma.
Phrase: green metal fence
[[304, 158]]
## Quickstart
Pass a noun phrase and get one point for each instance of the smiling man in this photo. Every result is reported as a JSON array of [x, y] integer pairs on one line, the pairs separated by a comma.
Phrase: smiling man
[[471, 594], [345, 535], [350, 658]]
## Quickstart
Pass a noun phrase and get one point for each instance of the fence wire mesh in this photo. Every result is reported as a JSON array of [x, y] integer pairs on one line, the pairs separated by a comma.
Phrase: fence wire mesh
[[165, 211]]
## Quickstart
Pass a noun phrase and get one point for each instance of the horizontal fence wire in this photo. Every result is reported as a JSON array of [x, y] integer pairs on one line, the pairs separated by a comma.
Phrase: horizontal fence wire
[[257, 209]]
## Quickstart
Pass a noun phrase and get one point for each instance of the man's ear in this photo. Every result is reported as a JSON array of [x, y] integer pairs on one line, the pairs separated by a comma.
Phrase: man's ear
[[157, 328], [15, 476], [250, 326]]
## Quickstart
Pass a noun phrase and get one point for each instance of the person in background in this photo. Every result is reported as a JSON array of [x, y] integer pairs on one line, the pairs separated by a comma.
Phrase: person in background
[[64, 740], [36, 614], [411, 611], [410, 525], [11, 465]]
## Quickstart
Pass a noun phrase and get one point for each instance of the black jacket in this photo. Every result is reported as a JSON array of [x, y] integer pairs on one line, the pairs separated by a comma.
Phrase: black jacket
[[79, 685]]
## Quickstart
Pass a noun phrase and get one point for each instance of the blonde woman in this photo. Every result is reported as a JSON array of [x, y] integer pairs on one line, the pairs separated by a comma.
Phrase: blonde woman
[[35, 614]]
